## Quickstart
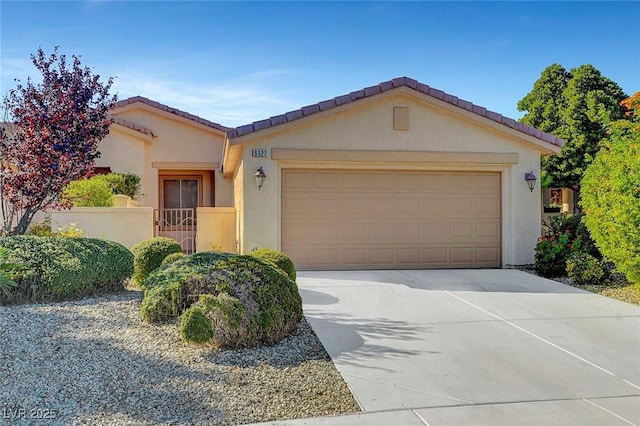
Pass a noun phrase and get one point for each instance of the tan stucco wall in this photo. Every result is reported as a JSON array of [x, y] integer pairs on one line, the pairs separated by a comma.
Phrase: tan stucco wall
[[126, 226], [179, 144], [369, 126], [216, 229]]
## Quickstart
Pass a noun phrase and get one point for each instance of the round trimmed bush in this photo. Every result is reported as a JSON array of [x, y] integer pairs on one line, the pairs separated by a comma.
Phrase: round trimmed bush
[[59, 268], [247, 301], [149, 254], [281, 260], [195, 326], [172, 258], [585, 269]]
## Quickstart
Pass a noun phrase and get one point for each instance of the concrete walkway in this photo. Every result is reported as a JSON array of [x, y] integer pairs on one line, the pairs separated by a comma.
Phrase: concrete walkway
[[481, 347]]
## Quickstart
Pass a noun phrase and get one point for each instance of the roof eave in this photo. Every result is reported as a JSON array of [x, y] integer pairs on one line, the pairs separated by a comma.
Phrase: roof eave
[[260, 126]]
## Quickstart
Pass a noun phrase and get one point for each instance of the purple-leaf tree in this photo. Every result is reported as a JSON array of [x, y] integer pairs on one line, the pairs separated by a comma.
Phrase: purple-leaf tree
[[49, 137]]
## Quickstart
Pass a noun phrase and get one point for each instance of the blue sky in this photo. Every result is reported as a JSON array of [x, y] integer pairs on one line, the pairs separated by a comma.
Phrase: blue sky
[[237, 62]]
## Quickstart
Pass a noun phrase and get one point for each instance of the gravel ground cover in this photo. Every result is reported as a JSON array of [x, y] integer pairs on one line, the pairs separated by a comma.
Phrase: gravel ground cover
[[620, 290], [617, 287], [94, 361]]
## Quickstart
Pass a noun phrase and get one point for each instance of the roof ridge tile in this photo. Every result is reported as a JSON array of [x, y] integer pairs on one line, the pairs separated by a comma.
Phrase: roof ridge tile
[[390, 85], [170, 110]]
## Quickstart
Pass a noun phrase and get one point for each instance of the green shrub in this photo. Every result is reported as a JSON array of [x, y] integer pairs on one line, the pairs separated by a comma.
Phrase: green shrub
[[92, 192], [611, 200], [126, 184], [585, 269], [59, 268], [563, 235], [280, 259], [551, 256], [9, 271], [149, 254], [247, 301], [41, 229], [195, 326], [573, 226], [172, 258]]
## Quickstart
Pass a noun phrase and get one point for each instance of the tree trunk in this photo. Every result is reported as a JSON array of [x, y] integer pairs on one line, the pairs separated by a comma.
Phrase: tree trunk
[[23, 223]]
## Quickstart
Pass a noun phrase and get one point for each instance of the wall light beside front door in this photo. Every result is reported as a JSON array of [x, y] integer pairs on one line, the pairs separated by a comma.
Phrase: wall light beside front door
[[531, 179], [260, 175]]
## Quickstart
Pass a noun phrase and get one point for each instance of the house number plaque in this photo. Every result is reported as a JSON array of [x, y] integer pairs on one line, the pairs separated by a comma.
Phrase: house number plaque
[[260, 153]]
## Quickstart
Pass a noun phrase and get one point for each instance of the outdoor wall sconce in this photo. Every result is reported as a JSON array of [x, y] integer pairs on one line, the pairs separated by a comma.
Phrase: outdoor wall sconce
[[259, 175], [531, 180]]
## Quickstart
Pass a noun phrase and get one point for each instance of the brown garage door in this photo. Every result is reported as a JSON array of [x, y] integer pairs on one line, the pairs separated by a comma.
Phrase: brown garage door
[[338, 219]]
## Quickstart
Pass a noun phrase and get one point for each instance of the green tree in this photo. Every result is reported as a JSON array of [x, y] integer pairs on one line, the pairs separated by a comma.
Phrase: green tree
[[576, 106], [93, 192], [611, 195]]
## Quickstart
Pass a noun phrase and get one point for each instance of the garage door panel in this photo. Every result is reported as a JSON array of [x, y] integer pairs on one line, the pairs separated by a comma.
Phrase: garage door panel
[[407, 205], [487, 183], [295, 230], [353, 256], [382, 182], [326, 181], [410, 257], [326, 204], [488, 230], [383, 256], [461, 182], [461, 231], [353, 181], [460, 206], [462, 255], [433, 232], [436, 256], [303, 253], [381, 205], [435, 182], [487, 206], [296, 180], [325, 231], [325, 256], [388, 219], [352, 232], [381, 233], [296, 204], [409, 232], [353, 205], [434, 204], [409, 182], [488, 255]]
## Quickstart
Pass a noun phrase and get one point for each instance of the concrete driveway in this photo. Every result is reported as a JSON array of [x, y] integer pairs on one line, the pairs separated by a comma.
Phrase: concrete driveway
[[476, 347]]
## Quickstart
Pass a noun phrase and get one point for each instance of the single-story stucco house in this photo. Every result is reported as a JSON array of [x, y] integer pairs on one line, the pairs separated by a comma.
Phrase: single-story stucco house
[[397, 175]]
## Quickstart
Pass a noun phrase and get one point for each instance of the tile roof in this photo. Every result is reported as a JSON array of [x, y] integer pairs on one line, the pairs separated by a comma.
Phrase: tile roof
[[170, 110], [383, 87], [133, 126]]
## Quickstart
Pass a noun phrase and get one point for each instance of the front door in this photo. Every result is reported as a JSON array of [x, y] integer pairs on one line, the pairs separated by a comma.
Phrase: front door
[[180, 196]]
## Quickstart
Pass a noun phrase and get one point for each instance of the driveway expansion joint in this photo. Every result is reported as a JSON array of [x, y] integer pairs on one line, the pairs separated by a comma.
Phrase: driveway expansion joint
[[566, 351]]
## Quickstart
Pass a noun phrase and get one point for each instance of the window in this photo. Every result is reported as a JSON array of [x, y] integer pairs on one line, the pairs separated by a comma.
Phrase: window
[[552, 200], [102, 170]]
